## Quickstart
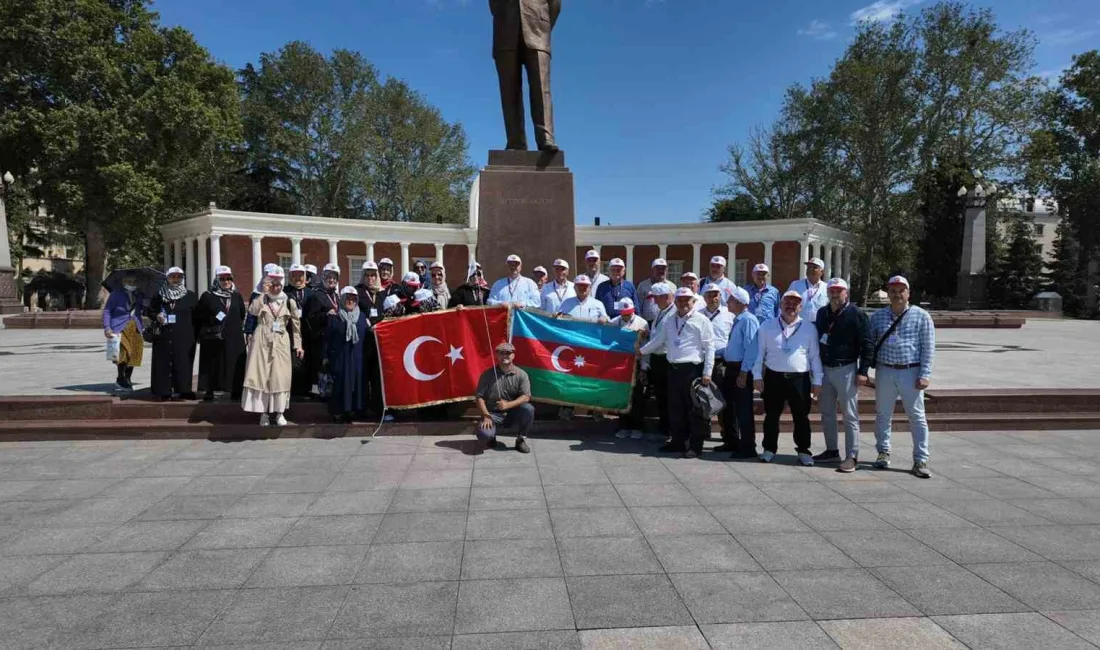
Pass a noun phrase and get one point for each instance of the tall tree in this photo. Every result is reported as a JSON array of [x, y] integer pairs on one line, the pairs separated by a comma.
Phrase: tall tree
[[127, 122], [1065, 275], [1019, 277]]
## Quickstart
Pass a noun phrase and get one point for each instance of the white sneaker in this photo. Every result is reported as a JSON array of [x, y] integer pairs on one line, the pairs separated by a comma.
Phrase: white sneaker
[[264, 420], [280, 420], [622, 433], [806, 460], [387, 418], [767, 457], [636, 435]]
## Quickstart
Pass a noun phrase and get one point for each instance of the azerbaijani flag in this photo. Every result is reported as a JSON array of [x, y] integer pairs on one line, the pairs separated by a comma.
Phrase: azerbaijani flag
[[575, 363]]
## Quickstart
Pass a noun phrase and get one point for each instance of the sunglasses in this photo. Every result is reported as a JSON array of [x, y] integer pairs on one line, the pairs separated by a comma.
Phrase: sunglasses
[[437, 275]]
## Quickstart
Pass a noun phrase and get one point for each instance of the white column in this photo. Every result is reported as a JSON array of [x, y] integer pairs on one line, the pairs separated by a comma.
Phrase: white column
[[204, 270], [805, 252], [189, 263], [731, 261], [167, 253], [439, 253], [696, 251], [404, 257], [471, 254], [177, 253], [370, 250], [662, 251], [215, 251], [768, 255], [295, 250], [630, 262], [332, 254], [257, 259], [846, 253], [830, 266]]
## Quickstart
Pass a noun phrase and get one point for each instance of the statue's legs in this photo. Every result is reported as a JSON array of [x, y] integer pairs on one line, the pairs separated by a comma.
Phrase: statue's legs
[[542, 105], [510, 73]]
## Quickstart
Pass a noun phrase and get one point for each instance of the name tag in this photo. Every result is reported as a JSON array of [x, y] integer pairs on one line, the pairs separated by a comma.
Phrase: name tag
[[825, 339], [277, 326], [220, 316], [171, 319], [374, 312]]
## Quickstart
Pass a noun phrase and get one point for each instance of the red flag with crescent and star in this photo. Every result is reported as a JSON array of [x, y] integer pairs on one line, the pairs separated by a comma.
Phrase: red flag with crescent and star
[[438, 357]]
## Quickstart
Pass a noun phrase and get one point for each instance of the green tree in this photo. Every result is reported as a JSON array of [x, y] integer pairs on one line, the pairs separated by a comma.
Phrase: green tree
[[740, 207], [1018, 277], [1065, 275], [126, 122]]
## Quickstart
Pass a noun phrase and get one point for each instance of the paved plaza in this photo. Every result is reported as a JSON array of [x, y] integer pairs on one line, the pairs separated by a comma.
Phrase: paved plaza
[[597, 543]]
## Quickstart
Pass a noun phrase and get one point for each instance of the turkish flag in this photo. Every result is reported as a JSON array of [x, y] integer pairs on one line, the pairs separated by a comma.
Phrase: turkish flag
[[438, 357]]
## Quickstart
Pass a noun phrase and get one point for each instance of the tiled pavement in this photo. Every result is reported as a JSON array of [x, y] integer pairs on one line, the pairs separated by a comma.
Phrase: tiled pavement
[[418, 543]]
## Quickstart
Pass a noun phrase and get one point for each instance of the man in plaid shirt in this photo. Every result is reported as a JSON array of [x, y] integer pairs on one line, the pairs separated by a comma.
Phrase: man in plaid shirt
[[903, 367]]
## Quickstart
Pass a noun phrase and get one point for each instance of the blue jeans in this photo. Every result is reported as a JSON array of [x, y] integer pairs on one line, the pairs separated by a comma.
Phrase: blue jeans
[[519, 417], [840, 386], [890, 383]]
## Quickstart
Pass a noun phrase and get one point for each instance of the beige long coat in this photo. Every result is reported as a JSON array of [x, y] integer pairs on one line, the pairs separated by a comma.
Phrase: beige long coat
[[269, 366]]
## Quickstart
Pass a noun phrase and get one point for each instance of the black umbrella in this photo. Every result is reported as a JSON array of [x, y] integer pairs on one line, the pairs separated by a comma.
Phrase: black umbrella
[[149, 280]]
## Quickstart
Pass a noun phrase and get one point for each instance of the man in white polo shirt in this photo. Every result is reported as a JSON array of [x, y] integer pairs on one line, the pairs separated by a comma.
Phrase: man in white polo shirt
[[515, 289], [592, 260], [582, 306], [558, 289], [655, 363], [813, 288], [647, 302], [717, 276], [721, 322], [787, 371]]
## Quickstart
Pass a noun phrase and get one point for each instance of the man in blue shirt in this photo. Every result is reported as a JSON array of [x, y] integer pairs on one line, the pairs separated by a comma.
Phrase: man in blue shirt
[[763, 297], [905, 341], [813, 288], [737, 385], [514, 289], [616, 288]]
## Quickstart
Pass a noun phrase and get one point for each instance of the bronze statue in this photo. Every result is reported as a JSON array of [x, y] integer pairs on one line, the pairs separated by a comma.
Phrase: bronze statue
[[521, 40]]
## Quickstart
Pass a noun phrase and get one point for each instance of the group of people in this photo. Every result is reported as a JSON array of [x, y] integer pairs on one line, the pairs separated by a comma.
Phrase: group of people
[[809, 343]]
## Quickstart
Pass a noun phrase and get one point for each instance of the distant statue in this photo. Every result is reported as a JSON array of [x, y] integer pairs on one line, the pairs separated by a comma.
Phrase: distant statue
[[521, 40]]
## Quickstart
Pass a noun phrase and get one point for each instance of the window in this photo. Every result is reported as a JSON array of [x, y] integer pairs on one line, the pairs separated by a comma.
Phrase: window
[[1038, 230], [675, 270], [355, 266], [739, 272], [286, 259]]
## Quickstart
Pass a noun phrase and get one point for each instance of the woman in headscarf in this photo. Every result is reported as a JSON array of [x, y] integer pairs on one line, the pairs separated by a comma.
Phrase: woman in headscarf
[[344, 339], [371, 296], [173, 309], [298, 290], [220, 320], [421, 270], [320, 304], [472, 294], [437, 276], [269, 367], [122, 319]]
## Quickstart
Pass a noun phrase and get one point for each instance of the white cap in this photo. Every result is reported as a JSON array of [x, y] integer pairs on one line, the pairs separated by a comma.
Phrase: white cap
[[514, 258], [223, 270], [897, 279], [422, 295], [761, 268], [593, 254], [816, 261], [411, 279], [661, 289], [560, 262], [335, 268], [740, 295], [311, 269], [624, 304], [539, 269], [616, 262], [391, 301], [175, 270], [689, 274], [582, 279], [712, 287], [385, 260], [436, 265], [349, 291], [718, 259], [297, 268], [792, 294], [685, 292], [660, 261], [276, 272], [269, 266], [370, 265], [837, 282]]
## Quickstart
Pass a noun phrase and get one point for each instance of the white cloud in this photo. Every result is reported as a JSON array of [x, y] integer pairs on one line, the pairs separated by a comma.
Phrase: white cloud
[[817, 30], [881, 10], [1066, 36]]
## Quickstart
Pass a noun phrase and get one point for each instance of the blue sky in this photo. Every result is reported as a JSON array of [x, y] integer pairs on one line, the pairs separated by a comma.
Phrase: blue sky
[[648, 93]]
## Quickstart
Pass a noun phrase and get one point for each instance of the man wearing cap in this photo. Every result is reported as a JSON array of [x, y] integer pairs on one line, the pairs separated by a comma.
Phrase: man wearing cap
[[721, 321], [691, 281], [558, 289], [592, 260], [582, 306], [905, 341], [371, 297], [655, 362], [787, 371], [845, 344], [301, 383], [739, 434], [813, 289], [764, 298], [717, 275], [616, 288], [630, 423], [503, 400], [647, 303], [539, 274], [473, 293], [689, 344], [515, 289]]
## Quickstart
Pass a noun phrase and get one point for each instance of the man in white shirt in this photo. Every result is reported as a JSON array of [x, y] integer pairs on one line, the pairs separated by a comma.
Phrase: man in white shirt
[[655, 364], [812, 288], [592, 260], [539, 276], [515, 289], [689, 344], [583, 306], [647, 302], [721, 322], [558, 289], [787, 371], [718, 275], [690, 280], [630, 423]]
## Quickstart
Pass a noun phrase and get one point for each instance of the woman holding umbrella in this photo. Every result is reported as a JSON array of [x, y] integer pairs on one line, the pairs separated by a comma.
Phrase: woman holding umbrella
[[173, 309], [122, 319], [344, 339], [220, 321], [277, 336]]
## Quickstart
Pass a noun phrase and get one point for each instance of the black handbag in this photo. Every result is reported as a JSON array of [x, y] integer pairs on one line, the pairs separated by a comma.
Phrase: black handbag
[[212, 333], [152, 333]]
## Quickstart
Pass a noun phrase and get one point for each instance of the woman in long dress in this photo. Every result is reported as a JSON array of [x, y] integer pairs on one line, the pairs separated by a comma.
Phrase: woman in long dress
[[220, 320], [173, 308], [269, 367], [345, 337], [122, 320]]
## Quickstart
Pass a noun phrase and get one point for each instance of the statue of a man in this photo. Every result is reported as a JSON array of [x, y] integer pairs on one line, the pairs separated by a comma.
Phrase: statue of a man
[[521, 40]]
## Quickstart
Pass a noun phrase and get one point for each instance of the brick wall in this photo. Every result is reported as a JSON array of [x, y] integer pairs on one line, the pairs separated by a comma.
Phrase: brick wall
[[786, 265]]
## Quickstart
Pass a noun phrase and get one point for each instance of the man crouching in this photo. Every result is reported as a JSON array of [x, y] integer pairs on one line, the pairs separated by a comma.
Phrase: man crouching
[[503, 399]]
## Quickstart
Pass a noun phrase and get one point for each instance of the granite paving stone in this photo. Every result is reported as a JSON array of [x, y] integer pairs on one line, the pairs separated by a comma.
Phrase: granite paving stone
[[506, 476], [800, 493], [757, 519], [890, 633], [841, 515], [682, 637], [675, 520], [336, 530], [625, 601], [594, 556], [782, 551], [701, 554], [1042, 585], [1024, 630], [511, 558], [544, 640], [947, 589], [302, 566], [1061, 511], [582, 496], [1083, 623], [148, 536], [286, 615], [793, 635], [842, 593], [437, 478], [207, 485], [257, 532], [593, 522], [17, 572], [411, 562], [50, 540], [917, 515], [657, 494], [207, 569], [399, 610], [292, 483], [357, 481], [508, 524], [155, 618], [973, 545], [363, 502], [270, 505], [648, 474], [723, 494], [49, 622], [573, 474], [1056, 542], [736, 598], [387, 643], [518, 604], [421, 527], [874, 548], [99, 572], [525, 497]]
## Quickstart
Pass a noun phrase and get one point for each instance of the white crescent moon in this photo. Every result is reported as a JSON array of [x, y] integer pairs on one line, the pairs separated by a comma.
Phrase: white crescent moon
[[410, 359], [554, 361]]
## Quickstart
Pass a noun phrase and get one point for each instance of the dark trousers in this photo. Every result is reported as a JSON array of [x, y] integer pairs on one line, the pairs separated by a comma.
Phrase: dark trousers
[[518, 418], [658, 385], [791, 389], [634, 418], [718, 377], [688, 430], [510, 67], [738, 415]]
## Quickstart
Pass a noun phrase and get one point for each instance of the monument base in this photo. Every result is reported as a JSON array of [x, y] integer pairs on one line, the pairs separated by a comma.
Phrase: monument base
[[971, 292], [9, 294], [525, 206]]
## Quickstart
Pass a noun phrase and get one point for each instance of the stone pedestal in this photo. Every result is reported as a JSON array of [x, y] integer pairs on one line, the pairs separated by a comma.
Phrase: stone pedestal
[[9, 294], [970, 292], [525, 201]]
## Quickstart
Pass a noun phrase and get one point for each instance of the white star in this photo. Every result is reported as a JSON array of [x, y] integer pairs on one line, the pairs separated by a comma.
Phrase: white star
[[454, 355], [578, 362]]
